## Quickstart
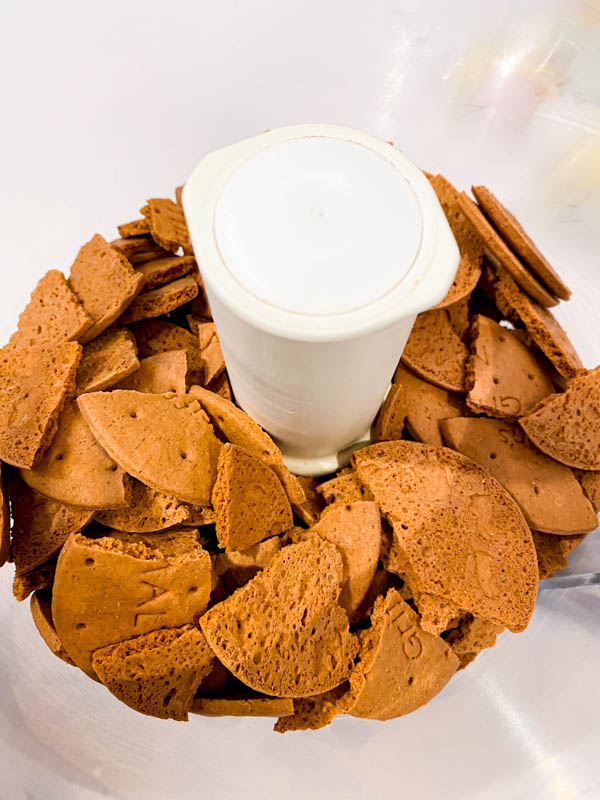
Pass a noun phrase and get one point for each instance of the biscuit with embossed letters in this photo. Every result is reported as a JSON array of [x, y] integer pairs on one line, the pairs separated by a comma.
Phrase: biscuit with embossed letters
[[458, 534], [110, 589]]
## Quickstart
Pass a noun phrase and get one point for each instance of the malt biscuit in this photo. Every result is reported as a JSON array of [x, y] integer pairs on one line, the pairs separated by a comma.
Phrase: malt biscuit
[[401, 667], [240, 429], [540, 323], [417, 405], [515, 236], [548, 494], [104, 282], [313, 713], [469, 245], [40, 606], [76, 470], [344, 489], [498, 252], [435, 352], [136, 227], [148, 510], [154, 336], [40, 526], [243, 705], [34, 385], [505, 377], [41, 577], [53, 314], [165, 441], [355, 529], [164, 270], [106, 360], [139, 249], [200, 515], [457, 533], [237, 567], [459, 317], [214, 363], [156, 673], [167, 224], [163, 372], [565, 426], [552, 551], [161, 300], [284, 633], [590, 483], [472, 636], [111, 589], [249, 501], [221, 386]]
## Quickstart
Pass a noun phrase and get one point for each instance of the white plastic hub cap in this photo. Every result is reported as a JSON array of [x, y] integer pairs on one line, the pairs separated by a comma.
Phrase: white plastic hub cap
[[318, 225]]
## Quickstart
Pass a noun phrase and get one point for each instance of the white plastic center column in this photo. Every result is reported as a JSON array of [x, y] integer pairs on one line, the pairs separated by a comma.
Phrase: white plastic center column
[[318, 225], [318, 245]]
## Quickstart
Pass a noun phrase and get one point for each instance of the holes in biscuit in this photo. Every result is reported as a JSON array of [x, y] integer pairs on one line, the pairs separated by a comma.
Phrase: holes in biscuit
[[113, 468], [536, 489], [410, 680], [80, 626], [501, 339], [89, 562], [133, 414], [530, 376], [183, 455], [192, 589], [60, 456], [492, 456], [496, 381]]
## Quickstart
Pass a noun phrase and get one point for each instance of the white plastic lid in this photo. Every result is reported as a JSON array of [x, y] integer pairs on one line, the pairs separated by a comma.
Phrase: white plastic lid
[[318, 225]]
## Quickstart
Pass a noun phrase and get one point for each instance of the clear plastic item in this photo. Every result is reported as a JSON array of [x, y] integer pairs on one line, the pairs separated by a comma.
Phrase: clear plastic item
[[504, 95]]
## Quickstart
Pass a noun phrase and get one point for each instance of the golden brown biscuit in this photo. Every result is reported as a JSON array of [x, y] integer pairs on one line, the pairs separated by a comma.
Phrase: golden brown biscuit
[[458, 534], [565, 425], [552, 551], [469, 245], [497, 251], [435, 352], [472, 636], [164, 270], [541, 325], [148, 510], [355, 529], [111, 589], [161, 300], [283, 633], [4, 522], [54, 314], [401, 667], [244, 705], [154, 336], [157, 673], [548, 494], [211, 351], [137, 227], [345, 488], [41, 577], [163, 372], [515, 236], [76, 470], [104, 282], [167, 224], [221, 386], [249, 501], [437, 613], [418, 405], [139, 249], [237, 567], [459, 317], [177, 457], [40, 526], [312, 713], [34, 385], [240, 429], [590, 483], [506, 378], [106, 360], [40, 606]]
